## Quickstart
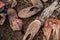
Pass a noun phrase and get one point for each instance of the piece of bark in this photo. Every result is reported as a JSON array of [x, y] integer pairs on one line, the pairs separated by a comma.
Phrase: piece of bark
[[15, 23], [32, 30], [2, 18], [30, 11]]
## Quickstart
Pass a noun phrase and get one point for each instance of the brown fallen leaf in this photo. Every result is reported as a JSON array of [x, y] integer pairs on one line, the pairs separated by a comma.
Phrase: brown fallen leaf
[[15, 23]]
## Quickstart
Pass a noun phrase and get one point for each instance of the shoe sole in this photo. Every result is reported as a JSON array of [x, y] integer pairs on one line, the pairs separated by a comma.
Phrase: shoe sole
[[32, 29]]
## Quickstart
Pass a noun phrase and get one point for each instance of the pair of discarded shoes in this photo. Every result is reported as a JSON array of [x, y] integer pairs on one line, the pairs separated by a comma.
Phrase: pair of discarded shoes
[[34, 27], [25, 13]]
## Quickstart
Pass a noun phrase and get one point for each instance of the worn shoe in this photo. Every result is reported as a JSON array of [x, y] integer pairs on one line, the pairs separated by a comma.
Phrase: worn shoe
[[32, 29], [15, 22], [29, 11]]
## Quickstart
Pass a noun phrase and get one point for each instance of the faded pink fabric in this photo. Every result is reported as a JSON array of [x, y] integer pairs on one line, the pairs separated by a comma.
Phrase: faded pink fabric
[[17, 24], [48, 28]]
